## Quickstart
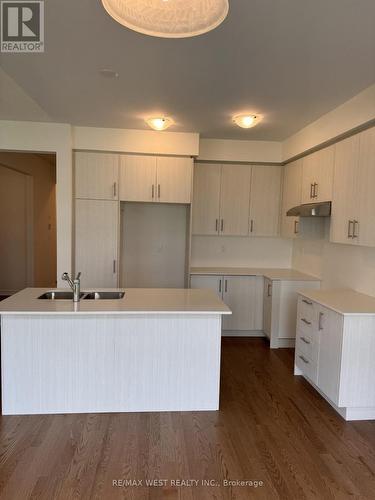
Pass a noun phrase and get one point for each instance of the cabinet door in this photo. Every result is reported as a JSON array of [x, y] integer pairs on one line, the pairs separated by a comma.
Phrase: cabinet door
[[214, 283], [330, 327], [235, 200], [206, 198], [96, 176], [174, 177], [265, 201], [138, 178], [292, 187], [96, 242], [267, 307], [317, 179], [244, 296], [345, 191], [365, 229]]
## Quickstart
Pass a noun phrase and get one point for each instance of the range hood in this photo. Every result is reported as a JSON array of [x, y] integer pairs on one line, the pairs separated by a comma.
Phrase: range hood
[[322, 209]]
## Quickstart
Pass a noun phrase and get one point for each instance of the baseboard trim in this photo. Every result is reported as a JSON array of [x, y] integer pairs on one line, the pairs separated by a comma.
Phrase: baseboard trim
[[242, 333]]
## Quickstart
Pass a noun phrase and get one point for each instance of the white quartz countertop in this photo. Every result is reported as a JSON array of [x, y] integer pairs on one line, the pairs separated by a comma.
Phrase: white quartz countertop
[[343, 301], [272, 274], [135, 301]]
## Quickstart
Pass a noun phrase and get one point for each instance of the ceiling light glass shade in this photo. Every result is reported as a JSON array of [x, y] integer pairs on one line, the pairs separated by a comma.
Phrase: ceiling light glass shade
[[168, 18], [159, 123], [246, 121]]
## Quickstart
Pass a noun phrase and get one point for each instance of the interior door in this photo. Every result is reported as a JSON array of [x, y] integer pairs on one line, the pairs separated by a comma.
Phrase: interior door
[[96, 176], [345, 204], [174, 179], [244, 296], [138, 178], [235, 200], [206, 194], [265, 201], [96, 242], [214, 283]]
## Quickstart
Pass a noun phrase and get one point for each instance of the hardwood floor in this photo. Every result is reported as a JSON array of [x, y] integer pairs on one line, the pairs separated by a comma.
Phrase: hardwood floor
[[272, 428]]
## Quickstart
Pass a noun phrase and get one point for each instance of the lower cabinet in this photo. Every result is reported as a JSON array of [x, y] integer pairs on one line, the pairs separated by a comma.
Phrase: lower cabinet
[[242, 294], [96, 242], [335, 353]]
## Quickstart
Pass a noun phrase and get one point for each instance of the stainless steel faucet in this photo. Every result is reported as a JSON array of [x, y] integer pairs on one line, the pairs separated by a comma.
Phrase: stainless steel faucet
[[75, 285]]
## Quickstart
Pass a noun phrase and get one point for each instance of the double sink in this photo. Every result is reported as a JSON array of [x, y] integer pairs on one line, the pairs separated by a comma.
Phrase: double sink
[[58, 295]]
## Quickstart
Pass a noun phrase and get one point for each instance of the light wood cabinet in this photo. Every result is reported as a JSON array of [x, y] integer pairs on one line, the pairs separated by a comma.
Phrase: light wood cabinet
[[317, 177], [345, 202], [265, 200], [138, 178], [96, 176], [96, 242], [155, 179], [292, 192], [206, 198], [234, 200]]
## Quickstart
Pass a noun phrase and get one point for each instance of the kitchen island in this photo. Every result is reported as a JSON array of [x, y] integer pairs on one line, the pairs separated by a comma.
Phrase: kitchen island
[[151, 350]]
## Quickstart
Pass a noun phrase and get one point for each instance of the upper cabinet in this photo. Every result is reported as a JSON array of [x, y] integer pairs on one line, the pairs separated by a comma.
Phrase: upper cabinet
[[206, 198], [96, 176], [317, 177], [155, 179], [292, 190], [265, 201], [353, 209]]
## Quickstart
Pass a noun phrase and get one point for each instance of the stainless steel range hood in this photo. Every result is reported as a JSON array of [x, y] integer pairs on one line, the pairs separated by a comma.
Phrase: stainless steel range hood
[[322, 209]]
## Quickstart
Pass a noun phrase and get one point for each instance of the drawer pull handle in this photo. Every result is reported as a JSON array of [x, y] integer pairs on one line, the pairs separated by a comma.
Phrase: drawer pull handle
[[304, 359], [305, 301], [305, 340], [305, 321]]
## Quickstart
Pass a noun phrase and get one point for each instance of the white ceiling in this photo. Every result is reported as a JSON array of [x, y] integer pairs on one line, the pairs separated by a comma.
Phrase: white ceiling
[[290, 60]]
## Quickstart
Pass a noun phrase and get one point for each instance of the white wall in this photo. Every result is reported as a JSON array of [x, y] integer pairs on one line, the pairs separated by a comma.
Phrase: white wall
[[245, 151], [240, 251]]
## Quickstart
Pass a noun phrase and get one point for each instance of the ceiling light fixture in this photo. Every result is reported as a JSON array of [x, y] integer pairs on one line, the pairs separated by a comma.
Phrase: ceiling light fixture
[[159, 123], [246, 121], [168, 18]]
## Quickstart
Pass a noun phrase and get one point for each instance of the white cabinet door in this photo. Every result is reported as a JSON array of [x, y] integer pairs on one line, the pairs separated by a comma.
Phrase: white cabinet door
[[345, 204], [244, 296], [292, 187], [138, 178], [365, 228], [174, 179], [214, 283], [330, 328], [235, 200], [265, 201], [96, 242], [96, 176], [267, 307], [317, 178], [206, 199]]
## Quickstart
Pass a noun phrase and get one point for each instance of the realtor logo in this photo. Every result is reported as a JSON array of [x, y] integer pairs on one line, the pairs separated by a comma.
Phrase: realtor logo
[[22, 26]]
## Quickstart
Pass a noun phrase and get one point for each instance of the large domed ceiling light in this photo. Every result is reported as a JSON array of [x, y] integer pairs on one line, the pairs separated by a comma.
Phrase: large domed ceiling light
[[168, 18]]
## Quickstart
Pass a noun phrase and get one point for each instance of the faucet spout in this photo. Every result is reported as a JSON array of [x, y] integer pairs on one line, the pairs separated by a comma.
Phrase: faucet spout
[[75, 285]]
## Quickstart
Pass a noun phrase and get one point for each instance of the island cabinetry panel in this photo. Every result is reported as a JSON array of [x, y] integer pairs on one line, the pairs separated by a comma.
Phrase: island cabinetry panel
[[96, 176]]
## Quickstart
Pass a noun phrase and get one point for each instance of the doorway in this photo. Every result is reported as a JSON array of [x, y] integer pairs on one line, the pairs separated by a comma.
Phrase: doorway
[[27, 221]]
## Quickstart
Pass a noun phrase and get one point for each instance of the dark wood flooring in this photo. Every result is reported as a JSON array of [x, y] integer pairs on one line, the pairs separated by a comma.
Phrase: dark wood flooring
[[272, 428]]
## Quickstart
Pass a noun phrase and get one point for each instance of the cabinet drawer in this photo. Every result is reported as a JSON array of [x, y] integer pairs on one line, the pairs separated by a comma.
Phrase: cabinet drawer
[[307, 366], [305, 309], [307, 346]]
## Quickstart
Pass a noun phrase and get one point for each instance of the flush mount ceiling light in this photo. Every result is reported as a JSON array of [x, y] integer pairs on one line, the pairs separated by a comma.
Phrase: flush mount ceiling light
[[246, 121], [161, 123], [168, 18]]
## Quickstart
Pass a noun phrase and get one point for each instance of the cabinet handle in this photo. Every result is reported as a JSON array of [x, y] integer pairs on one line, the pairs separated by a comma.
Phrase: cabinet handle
[[305, 340], [311, 191], [305, 321], [350, 223], [153, 191], [355, 227], [296, 227], [159, 191], [321, 321], [114, 267], [222, 225], [217, 225], [220, 285], [304, 359], [315, 190], [226, 286], [115, 189], [307, 302], [269, 287], [251, 226]]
